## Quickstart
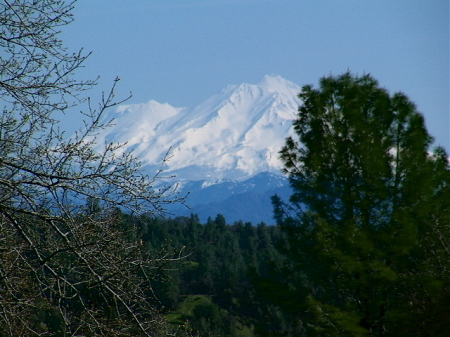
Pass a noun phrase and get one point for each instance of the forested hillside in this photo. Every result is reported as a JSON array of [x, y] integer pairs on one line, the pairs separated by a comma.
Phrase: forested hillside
[[222, 285]]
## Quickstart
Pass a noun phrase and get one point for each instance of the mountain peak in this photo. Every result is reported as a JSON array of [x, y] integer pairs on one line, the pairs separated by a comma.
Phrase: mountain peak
[[233, 135], [273, 81], [276, 83]]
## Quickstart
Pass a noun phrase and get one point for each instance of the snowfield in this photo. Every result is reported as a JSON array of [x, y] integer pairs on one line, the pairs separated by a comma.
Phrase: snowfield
[[233, 135]]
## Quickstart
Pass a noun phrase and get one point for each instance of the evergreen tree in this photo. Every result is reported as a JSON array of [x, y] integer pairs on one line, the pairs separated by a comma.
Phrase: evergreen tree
[[368, 204]]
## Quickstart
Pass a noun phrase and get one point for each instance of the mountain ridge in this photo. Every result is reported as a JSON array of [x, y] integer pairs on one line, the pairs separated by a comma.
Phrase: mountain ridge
[[232, 135], [248, 200], [224, 151]]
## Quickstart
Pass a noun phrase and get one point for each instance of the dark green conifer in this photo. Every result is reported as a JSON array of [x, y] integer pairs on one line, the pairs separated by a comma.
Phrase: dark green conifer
[[367, 205]]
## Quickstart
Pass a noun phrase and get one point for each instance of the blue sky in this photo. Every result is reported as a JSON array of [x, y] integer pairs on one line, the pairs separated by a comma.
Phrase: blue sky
[[183, 51]]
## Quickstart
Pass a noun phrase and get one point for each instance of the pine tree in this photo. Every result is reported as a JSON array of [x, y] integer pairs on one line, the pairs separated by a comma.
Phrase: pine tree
[[368, 203]]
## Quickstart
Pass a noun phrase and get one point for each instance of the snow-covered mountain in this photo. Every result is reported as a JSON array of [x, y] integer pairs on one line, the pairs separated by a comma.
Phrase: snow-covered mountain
[[224, 151], [233, 135]]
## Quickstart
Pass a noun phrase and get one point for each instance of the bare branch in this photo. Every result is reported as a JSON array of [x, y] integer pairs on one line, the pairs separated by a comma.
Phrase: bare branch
[[61, 261]]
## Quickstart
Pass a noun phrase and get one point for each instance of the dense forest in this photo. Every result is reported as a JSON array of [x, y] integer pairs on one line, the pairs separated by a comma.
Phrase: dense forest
[[221, 286]]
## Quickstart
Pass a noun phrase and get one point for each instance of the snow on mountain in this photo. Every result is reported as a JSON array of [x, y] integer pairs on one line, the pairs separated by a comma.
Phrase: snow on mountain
[[233, 135]]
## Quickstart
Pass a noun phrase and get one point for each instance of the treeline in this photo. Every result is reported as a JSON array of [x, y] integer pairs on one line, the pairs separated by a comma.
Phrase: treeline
[[221, 286]]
